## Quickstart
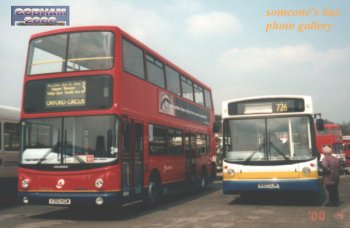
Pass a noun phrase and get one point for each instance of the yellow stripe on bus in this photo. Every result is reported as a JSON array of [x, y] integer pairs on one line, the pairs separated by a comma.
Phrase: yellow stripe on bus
[[270, 175], [72, 60]]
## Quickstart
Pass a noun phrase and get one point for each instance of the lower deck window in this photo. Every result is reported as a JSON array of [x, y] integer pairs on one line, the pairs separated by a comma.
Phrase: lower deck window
[[11, 136], [157, 139]]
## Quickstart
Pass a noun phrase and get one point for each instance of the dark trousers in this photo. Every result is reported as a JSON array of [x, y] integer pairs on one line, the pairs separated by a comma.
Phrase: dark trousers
[[333, 194]]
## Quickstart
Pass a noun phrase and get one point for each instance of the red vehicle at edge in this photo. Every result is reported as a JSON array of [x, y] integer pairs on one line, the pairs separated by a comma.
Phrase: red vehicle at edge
[[346, 148], [106, 120], [332, 135]]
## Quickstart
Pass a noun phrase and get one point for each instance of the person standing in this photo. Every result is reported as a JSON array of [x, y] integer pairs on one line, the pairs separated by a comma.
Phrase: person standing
[[330, 165]]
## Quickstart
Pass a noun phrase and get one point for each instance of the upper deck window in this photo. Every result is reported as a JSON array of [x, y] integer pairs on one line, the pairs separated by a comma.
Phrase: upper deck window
[[198, 94], [173, 80], [324, 132], [187, 88], [133, 59], [71, 52], [207, 96], [155, 71], [336, 131]]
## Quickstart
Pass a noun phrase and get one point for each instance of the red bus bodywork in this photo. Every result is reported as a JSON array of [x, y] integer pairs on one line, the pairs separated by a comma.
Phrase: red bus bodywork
[[332, 135], [346, 147], [135, 104]]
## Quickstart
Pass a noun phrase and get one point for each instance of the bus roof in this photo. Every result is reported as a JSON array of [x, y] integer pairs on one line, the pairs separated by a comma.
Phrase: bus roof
[[9, 113]]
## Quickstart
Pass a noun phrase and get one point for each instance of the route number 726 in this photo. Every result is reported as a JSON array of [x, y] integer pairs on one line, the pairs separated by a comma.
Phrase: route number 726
[[281, 107]]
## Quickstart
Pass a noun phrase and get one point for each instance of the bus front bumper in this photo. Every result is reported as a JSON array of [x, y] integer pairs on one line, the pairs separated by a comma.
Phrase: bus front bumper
[[244, 186], [70, 198]]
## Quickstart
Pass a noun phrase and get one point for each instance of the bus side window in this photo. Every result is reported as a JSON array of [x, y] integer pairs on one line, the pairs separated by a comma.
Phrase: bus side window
[[155, 71], [198, 94], [201, 143], [207, 96], [174, 141], [157, 139], [11, 136], [173, 80], [133, 59], [187, 88]]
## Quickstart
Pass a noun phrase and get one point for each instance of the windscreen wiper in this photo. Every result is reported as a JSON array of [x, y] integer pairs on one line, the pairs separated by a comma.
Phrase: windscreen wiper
[[279, 151], [259, 148], [79, 158], [65, 145], [44, 157]]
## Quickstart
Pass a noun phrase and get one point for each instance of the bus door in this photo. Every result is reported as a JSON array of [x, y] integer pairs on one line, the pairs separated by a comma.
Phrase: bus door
[[190, 153], [132, 157]]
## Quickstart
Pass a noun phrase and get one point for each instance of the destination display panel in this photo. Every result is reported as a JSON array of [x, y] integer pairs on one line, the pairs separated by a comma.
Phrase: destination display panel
[[68, 94], [65, 94], [263, 106]]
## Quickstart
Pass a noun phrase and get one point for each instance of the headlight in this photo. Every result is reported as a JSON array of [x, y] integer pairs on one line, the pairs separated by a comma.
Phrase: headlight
[[25, 200], [25, 183], [306, 171], [99, 200], [99, 183], [231, 172]]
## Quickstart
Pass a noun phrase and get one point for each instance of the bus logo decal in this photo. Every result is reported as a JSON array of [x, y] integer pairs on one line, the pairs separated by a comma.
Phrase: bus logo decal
[[60, 183], [166, 104]]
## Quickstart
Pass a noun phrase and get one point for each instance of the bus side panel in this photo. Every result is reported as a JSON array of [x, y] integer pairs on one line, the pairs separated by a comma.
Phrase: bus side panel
[[8, 164]]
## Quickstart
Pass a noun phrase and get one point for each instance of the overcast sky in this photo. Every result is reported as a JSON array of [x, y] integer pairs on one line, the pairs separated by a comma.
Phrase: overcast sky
[[223, 43]]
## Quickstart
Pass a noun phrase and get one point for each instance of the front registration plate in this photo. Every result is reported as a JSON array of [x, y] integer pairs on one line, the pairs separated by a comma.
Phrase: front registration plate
[[269, 186], [59, 201]]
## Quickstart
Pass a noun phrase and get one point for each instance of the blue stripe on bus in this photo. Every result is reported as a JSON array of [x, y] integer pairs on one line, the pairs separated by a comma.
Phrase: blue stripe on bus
[[234, 187]]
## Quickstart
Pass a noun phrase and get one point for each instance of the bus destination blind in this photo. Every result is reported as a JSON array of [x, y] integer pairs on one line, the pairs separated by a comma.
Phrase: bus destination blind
[[65, 94], [266, 106]]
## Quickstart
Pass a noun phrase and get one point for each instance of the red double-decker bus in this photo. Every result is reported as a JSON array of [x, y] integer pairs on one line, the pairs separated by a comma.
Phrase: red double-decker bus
[[107, 120], [346, 148], [332, 136]]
